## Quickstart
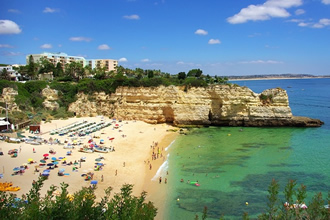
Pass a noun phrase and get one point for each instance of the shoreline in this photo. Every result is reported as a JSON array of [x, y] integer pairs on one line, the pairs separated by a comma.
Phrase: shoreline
[[157, 192], [277, 78], [126, 165]]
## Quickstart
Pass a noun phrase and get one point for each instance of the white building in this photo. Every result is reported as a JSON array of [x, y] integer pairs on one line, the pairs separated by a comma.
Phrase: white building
[[63, 59]]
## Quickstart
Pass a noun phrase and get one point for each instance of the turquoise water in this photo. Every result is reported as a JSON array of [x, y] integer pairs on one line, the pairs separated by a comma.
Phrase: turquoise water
[[235, 165]]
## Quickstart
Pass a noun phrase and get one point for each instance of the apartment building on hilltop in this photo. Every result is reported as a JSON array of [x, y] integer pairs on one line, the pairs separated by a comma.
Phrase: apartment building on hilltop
[[63, 59]]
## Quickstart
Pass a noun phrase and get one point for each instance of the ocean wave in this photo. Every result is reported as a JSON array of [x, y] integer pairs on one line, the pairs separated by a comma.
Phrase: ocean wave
[[161, 171], [168, 147]]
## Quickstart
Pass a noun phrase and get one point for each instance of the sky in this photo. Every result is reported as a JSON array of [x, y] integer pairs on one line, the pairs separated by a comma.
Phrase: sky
[[220, 37]]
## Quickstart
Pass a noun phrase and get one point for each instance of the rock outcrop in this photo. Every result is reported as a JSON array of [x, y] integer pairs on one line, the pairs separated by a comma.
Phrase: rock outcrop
[[8, 97], [51, 97], [214, 105]]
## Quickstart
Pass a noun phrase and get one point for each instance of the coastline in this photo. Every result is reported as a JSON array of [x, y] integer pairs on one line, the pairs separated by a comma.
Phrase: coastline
[[127, 165], [277, 78], [157, 192]]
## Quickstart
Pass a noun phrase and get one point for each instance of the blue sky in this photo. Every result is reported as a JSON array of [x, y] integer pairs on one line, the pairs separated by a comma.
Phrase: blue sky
[[221, 37]]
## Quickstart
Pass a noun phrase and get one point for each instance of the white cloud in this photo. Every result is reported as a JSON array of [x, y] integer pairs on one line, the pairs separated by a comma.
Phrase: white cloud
[[10, 54], [145, 60], [49, 10], [320, 24], [214, 41], [295, 20], [187, 64], [326, 2], [201, 32], [5, 46], [103, 47], [132, 17], [14, 11], [80, 39], [123, 59], [46, 46], [325, 21], [265, 11], [262, 62], [9, 27], [299, 12]]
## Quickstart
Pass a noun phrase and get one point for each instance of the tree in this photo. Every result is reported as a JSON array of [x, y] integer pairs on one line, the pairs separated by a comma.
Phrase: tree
[[58, 71], [181, 75], [75, 70], [80, 205], [195, 73], [45, 66], [150, 74], [32, 68], [4, 74]]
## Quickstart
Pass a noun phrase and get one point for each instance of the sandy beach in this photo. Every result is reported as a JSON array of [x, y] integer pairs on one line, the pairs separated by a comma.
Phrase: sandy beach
[[130, 163]]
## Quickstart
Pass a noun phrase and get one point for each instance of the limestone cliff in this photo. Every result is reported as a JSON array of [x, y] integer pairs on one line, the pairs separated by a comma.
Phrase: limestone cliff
[[51, 96], [214, 105], [8, 97]]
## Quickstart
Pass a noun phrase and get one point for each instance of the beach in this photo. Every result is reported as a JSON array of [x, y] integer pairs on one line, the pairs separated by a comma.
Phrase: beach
[[131, 162]]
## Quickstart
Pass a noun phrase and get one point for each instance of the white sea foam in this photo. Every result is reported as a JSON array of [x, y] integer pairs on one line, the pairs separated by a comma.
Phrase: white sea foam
[[168, 147], [161, 171], [164, 167]]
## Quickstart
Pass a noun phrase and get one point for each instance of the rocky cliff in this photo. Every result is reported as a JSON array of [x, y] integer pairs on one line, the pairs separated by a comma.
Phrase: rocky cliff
[[215, 105]]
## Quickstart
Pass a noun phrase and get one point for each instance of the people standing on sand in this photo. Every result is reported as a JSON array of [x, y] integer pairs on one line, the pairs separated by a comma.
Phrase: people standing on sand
[[102, 178], [160, 179], [34, 150], [150, 167], [116, 173], [20, 149], [124, 164], [165, 180]]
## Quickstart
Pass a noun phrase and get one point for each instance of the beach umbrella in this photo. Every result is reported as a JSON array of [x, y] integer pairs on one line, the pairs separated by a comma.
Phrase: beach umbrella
[[30, 159], [64, 159], [54, 158], [94, 182], [50, 164], [99, 164], [45, 155], [111, 138], [60, 158], [16, 169], [55, 163], [45, 174], [46, 171], [61, 170], [97, 159], [42, 161], [69, 152]]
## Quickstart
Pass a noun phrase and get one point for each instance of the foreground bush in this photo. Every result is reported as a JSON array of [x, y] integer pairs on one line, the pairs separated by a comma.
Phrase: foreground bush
[[81, 205]]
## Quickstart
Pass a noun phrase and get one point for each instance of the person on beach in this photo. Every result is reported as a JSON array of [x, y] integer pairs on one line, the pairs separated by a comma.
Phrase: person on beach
[[160, 179], [150, 167], [102, 178], [116, 173], [165, 180], [34, 150], [124, 164]]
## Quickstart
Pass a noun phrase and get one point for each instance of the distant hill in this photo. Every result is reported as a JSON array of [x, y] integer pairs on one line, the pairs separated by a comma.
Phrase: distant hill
[[277, 76]]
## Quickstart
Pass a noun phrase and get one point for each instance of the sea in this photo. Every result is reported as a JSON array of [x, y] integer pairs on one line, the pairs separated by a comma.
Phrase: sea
[[234, 166]]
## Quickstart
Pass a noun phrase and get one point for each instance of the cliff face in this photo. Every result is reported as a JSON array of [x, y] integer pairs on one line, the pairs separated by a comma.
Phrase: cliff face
[[8, 97], [51, 96], [214, 105]]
